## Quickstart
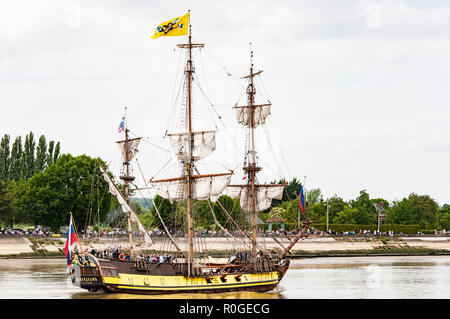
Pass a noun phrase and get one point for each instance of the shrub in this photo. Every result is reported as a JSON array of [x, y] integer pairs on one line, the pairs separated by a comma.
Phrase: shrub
[[405, 229]]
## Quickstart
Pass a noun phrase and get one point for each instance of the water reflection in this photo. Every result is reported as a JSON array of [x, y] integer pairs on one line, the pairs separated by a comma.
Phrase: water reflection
[[329, 278], [227, 295]]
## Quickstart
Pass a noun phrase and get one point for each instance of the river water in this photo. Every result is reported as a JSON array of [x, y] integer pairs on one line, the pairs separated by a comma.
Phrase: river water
[[314, 278]]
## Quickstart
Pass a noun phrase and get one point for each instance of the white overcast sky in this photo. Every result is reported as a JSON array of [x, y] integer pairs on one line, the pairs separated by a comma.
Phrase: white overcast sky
[[360, 89]]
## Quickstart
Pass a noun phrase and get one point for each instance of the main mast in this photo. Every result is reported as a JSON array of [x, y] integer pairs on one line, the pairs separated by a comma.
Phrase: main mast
[[190, 146], [188, 161], [189, 71]]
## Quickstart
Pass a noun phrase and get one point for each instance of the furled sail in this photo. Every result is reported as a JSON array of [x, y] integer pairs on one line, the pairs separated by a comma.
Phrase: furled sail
[[204, 144], [125, 207], [132, 147], [203, 187], [261, 112], [264, 195]]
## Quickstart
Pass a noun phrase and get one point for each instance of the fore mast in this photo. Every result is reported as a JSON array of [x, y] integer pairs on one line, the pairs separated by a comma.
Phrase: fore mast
[[128, 149]]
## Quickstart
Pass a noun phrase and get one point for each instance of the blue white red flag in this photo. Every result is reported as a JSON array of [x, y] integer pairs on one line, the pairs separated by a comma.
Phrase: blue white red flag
[[301, 200], [122, 125], [246, 176], [71, 238]]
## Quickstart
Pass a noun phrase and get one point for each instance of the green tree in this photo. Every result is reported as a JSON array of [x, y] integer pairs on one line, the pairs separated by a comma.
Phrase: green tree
[[291, 210], [416, 209], [145, 215], [51, 148], [41, 155], [290, 192], [6, 210], [335, 204], [347, 216], [56, 152], [47, 197], [444, 216], [4, 158], [318, 212], [233, 207], [164, 208], [202, 214], [16, 168], [426, 209], [28, 156], [277, 212], [314, 196], [402, 212], [366, 212]]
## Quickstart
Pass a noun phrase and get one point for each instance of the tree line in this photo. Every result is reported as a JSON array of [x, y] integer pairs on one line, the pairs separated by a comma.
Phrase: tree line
[[23, 160], [69, 185], [38, 186], [415, 209]]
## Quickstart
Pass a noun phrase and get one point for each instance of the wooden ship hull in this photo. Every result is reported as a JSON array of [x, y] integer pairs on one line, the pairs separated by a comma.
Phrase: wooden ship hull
[[115, 276]]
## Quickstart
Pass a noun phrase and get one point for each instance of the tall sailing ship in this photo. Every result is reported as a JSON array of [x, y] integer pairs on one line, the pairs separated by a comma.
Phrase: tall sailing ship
[[252, 268]]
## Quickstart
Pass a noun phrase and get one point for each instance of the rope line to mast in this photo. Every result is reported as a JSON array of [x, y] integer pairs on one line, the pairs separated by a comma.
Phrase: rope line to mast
[[221, 66], [153, 85], [219, 117], [156, 208]]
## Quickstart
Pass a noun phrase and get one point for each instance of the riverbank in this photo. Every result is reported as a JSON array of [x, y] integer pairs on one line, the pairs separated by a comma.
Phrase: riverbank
[[24, 247]]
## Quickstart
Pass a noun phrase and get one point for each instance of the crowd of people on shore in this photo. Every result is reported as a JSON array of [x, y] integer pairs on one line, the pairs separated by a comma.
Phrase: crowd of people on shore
[[29, 232], [207, 233], [117, 253], [362, 232]]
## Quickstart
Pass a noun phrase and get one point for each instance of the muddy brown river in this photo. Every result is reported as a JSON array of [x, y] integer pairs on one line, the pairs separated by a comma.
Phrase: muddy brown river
[[411, 277]]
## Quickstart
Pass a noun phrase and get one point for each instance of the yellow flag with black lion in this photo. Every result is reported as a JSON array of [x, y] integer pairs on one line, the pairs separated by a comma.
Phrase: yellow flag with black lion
[[173, 27]]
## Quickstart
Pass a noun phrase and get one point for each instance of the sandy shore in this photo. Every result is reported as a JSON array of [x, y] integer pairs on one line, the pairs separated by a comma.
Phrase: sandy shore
[[22, 245]]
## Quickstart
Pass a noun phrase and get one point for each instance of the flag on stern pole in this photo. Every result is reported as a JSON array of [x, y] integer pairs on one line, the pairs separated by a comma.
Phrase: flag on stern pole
[[71, 239], [173, 27], [301, 200], [122, 125]]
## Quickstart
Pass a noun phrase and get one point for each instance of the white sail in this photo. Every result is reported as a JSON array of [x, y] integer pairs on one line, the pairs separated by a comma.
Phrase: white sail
[[261, 112], [204, 144], [132, 146], [125, 207], [205, 187], [264, 195]]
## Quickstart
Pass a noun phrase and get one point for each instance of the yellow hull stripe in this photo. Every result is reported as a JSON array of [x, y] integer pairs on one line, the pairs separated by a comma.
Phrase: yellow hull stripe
[[147, 282]]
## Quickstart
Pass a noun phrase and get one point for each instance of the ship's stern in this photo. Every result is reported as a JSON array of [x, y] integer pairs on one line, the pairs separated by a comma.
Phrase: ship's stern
[[85, 272]]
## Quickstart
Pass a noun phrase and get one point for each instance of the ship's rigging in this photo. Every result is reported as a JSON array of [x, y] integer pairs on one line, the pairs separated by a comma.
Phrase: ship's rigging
[[190, 188], [191, 146]]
